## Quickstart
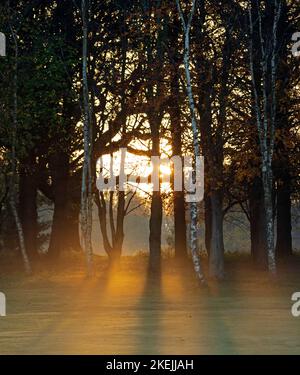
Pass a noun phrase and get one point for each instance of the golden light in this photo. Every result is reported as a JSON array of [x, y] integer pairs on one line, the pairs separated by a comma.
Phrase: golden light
[[165, 170]]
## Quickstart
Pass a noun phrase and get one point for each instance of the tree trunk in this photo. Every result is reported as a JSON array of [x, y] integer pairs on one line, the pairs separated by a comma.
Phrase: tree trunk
[[113, 247], [267, 21], [26, 261], [59, 167], [284, 220], [282, 163], [118, 238], [180, 226], [155, 231], [208, 221], [155, 222], [186, 26], [176, 130], [216, 256], [28, 205], [72, 239], [268, 204], [87, 175], [257, 224], [179, 202]]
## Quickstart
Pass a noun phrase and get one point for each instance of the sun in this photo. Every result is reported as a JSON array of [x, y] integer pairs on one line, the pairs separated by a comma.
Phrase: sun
[[165, 170]]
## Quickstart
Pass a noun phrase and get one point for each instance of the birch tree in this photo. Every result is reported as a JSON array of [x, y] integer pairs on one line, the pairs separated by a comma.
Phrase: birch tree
[[265, 107], [186, 26], [86, 187]]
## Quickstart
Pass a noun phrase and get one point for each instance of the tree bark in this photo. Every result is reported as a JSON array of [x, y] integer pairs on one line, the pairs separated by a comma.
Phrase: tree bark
[[186, 26], [282, 163], [155, 223], [284, 220], [119, 235], [266, 106], [258, 224], [216, 256], [178, 196], [72, 239], [208, 221], [113, 247], [59, 167], [28, 204], [87, 175], [176, 130]]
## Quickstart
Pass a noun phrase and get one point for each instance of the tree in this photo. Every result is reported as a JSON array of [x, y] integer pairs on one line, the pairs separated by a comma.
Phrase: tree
[[266, 109], [186, 25], [282, 164], [177, 130], [87, 174]]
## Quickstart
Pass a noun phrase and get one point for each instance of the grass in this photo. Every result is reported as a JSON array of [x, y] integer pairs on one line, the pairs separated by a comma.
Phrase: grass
[[127, 311]]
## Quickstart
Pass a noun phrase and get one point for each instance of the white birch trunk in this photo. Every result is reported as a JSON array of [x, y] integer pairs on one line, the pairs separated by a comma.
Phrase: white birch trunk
[[193, 205]]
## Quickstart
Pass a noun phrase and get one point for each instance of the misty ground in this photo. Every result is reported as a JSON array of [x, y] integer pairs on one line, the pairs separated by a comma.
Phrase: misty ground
[[128, 312]]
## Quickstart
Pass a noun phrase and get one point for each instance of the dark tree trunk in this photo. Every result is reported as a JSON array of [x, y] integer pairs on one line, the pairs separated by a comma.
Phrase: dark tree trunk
[[59, 166], [179, 202], [213, 151], [282, 164], [155, 231], [215, 169], [72, 239], [155, 223], [28, 205], [207, 210], [100, 201], [216, 256], [113, 247], [66, 198], [258, 224], [257, 217], [180, 226], [155, 47], [284, 220], [212, 143], [119, 234], [176, 130], [71, 222], [208, 223]]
